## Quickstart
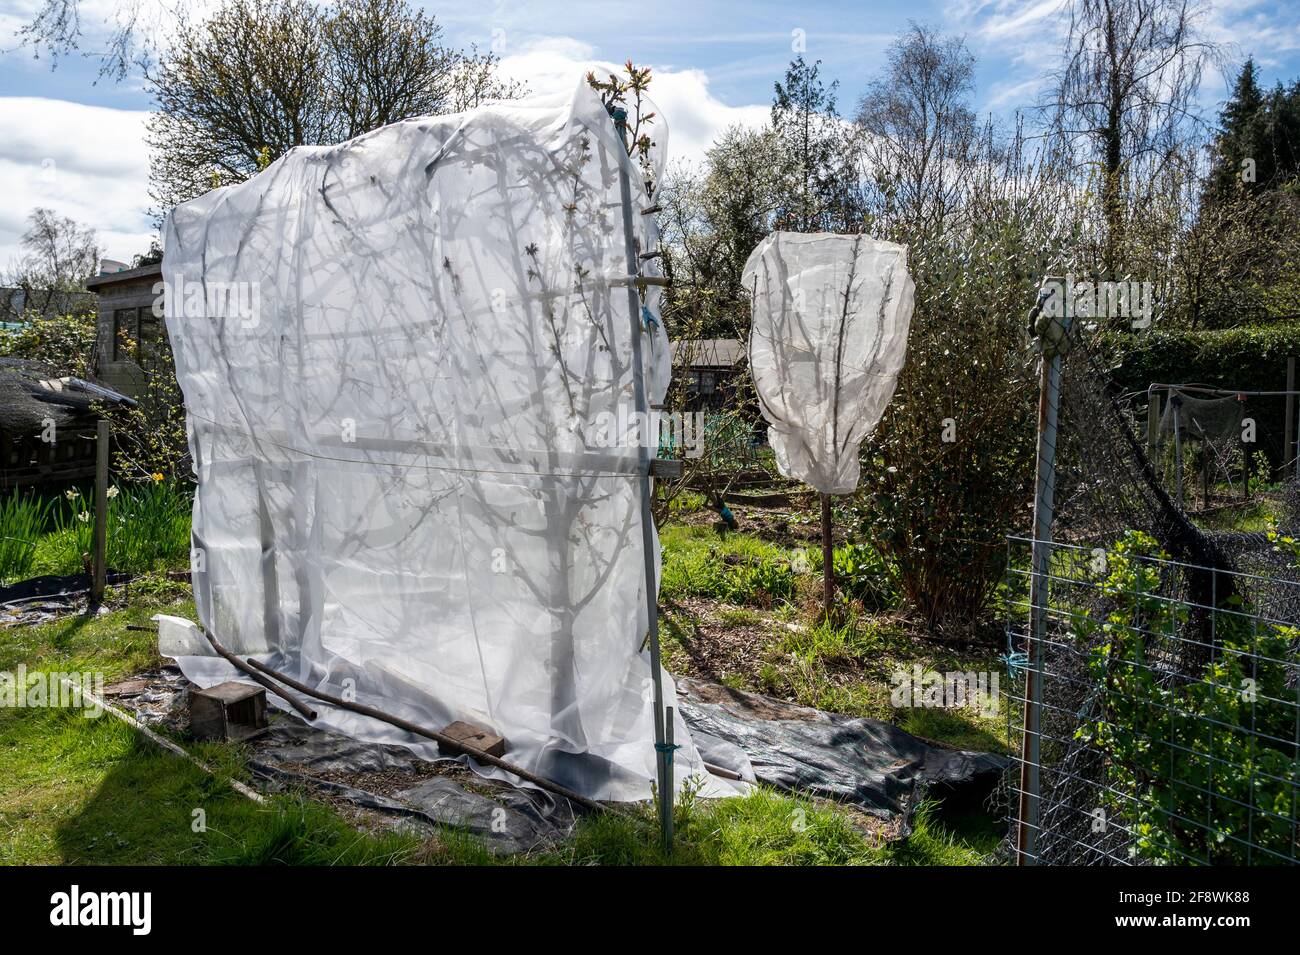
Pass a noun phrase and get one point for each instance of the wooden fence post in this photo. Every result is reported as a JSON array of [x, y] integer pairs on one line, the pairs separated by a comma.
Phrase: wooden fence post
[[98, 567]]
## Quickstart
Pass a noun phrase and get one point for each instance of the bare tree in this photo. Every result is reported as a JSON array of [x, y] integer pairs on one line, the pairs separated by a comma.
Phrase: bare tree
[[1123, 97], [134, 32], [919, 131], [259, 77], [712, 220], [59, 255]]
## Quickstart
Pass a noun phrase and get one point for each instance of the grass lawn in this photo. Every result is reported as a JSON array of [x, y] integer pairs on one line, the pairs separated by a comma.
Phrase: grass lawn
[[743, 611], [75, 790], [1256, 516]]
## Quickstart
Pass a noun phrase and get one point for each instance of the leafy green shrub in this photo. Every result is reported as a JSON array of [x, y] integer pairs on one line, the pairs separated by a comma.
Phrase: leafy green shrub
[[862, 573], [1193, 765], [939, 509], [65, 342]]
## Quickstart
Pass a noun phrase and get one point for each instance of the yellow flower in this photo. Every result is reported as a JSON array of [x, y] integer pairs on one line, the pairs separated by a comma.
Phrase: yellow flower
[[112, 492], [157, 476]]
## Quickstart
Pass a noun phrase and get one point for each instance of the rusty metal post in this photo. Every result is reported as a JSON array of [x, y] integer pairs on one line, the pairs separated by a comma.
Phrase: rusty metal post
[[1153, 420], [1287, 450], [1178, 452]]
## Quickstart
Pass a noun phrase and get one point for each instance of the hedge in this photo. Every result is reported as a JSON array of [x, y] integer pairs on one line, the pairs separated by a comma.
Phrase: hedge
[[1251, 358]]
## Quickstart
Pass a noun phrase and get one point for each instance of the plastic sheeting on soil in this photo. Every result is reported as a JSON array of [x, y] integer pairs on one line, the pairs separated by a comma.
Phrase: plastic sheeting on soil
[[857, 762], [828, 338], [408, 382], [294, 755], [849, 759]]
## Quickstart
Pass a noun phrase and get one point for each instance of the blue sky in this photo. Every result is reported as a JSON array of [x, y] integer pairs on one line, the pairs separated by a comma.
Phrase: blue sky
[[75, 145]]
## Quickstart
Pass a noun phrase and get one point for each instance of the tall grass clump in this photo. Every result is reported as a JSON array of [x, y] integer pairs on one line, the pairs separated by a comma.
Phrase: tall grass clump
[[148, 529], [23, 519]]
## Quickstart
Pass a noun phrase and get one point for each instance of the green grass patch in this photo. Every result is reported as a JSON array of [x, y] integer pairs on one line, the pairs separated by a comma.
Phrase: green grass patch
[[737, 568], [1255, 517], [77, 790], [23, 519]]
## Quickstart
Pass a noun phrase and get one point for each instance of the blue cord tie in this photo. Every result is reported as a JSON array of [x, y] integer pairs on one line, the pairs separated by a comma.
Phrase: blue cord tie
[[648, 319], [1016, 661], [666, 748]]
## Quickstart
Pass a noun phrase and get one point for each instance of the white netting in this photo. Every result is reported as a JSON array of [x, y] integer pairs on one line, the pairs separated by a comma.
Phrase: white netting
[[400, 357], [826, 345]]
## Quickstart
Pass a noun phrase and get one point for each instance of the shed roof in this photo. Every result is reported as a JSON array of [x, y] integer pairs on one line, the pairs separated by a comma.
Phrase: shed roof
[[99, 282], [31, 391]]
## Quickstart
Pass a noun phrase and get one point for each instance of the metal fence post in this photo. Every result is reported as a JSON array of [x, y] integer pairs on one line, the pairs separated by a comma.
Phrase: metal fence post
[[1053, 342], [663, 733], [1289, 438], [1153, 420]]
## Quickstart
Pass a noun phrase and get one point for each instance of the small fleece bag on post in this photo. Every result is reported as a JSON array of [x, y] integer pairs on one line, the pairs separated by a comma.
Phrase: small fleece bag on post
[[826, 345]]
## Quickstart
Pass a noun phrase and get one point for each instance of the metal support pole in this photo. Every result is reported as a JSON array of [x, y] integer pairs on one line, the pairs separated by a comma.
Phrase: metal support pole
[[1178, 454], [1287, 450], [828, 558], [663, 750], [1049, 393], [1205, 474], [98, 568], [1153, 420]]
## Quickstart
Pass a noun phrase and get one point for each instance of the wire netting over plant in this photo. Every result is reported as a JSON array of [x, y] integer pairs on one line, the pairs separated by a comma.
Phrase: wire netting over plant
[[1170, 716]]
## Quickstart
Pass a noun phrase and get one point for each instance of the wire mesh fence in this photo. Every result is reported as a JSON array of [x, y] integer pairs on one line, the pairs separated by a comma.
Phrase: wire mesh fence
[[1169, 724]]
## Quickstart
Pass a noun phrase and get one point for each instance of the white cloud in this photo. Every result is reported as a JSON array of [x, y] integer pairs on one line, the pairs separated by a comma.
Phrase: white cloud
[[91, 163], [86, 162], [694, 116]]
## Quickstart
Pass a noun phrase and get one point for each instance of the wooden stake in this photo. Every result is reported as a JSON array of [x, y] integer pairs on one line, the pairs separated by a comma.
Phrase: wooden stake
[[99, 550], [828, 558]]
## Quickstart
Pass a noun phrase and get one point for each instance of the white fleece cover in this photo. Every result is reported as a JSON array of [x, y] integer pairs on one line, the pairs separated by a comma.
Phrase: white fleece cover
[[827, 342], [400, 357]]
